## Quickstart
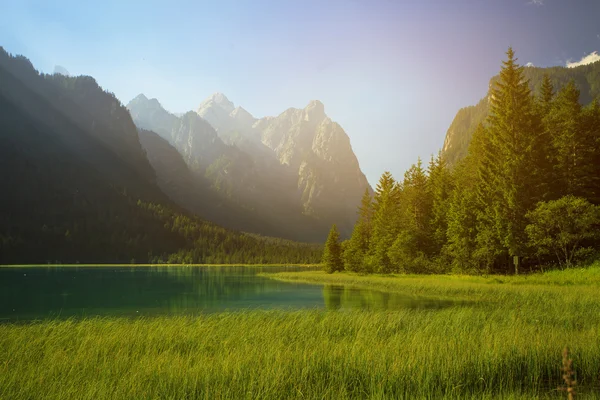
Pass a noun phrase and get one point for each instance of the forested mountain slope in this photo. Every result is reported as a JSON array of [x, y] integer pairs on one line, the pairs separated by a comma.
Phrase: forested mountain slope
[[77, 185], [240, 174]]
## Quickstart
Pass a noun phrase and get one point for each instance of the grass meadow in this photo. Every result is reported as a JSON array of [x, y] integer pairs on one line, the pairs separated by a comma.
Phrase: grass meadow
[[503, 338]]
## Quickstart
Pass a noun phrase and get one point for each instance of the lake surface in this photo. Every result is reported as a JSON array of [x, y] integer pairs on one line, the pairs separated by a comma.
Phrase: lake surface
[[62, 292]]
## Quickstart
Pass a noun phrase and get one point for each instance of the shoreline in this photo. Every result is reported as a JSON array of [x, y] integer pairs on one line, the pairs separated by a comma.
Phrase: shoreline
[[153, 265]]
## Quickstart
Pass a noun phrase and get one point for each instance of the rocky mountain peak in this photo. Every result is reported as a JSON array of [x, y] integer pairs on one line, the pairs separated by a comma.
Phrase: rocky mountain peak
[[59, 69], [242, 115], [315, 111], [218, 100], [139, 98]]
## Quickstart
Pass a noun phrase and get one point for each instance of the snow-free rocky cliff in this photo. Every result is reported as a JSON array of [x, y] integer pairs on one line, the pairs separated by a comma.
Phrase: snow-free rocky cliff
[[300, 160]]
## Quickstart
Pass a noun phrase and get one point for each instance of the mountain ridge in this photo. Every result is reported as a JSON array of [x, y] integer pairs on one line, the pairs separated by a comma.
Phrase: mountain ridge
[[290, 155]]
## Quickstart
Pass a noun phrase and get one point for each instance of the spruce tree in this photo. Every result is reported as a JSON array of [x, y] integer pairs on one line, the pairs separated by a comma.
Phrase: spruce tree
[[546, 94], [514, 139], [473, 241], [332, 254], [358, 244], [412, 244], [570, 151], [385, 220], [591, 129], [547, 175], [462, 219], [440, 188]]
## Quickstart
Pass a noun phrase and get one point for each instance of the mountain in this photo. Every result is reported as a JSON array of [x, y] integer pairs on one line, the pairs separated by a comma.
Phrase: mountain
[[254, 192], [59, 69], [460, 132], [313, 153], [77, 185], [194, 192], [329, 177]]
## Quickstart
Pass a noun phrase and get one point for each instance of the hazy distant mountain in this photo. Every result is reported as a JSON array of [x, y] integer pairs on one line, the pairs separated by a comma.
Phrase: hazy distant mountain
[[460, 132], [193, 192], [59, 69], [315, 151], [78, 186], [298, 167], [235, 126], [328, 175], [252, 188]]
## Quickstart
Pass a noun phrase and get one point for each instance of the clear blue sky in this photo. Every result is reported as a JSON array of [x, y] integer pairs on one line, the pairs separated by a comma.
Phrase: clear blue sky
[[393, 73]]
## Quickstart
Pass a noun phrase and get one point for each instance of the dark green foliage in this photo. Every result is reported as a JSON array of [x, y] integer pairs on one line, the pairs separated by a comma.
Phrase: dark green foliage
[[206, 243], [332, 254], [440, 186], [499, 201], [385, 223], [357, 247], [512, 135], [414, 240], [77, 186], [562, 227], [460, 132]]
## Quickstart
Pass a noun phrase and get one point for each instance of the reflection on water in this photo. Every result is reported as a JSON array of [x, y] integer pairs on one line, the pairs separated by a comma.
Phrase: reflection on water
[[42, 292], [341, 297]]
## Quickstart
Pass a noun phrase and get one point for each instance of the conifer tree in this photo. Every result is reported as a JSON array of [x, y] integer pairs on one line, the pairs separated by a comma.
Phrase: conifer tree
[[514, 139], [412, 244], [385, 220], [547, 175], [332, 254], [546, 94], [358, 245], [570, 152], [473, 240], [462, 219], [590, 125], [440, 188]]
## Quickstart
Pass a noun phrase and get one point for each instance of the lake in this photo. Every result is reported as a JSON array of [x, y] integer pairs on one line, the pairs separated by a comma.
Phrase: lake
[[62, 292]]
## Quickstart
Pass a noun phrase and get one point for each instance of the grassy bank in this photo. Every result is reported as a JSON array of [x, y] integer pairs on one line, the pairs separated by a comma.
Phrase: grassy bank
[[505, 344]]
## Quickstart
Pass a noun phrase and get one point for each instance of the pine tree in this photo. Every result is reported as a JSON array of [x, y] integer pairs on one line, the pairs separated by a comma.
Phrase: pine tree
[[385, 220], [543, 106], [462, 219], [332, 254], [440, 188], [473, 239], [358, 244], [570, 152], [412, 244], [514, 137], [591, 130], [546, 94]]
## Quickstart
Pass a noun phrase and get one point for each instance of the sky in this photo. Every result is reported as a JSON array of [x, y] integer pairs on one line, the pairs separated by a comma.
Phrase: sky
[[392, 73]]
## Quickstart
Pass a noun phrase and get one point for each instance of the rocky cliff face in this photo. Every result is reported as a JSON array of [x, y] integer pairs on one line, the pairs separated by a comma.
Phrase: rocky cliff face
[[311, 150], [191, 135], [318, 150], [296, 169]]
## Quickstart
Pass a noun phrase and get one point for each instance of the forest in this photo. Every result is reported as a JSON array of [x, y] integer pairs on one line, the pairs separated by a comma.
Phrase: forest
[[525, 198], [78, 186]]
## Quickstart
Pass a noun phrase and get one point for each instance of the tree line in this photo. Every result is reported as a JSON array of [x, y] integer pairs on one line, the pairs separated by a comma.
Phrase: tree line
[[525, 196]]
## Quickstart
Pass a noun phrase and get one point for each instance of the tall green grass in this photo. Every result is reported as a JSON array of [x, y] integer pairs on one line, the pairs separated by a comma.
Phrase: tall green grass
[[505, 343]]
